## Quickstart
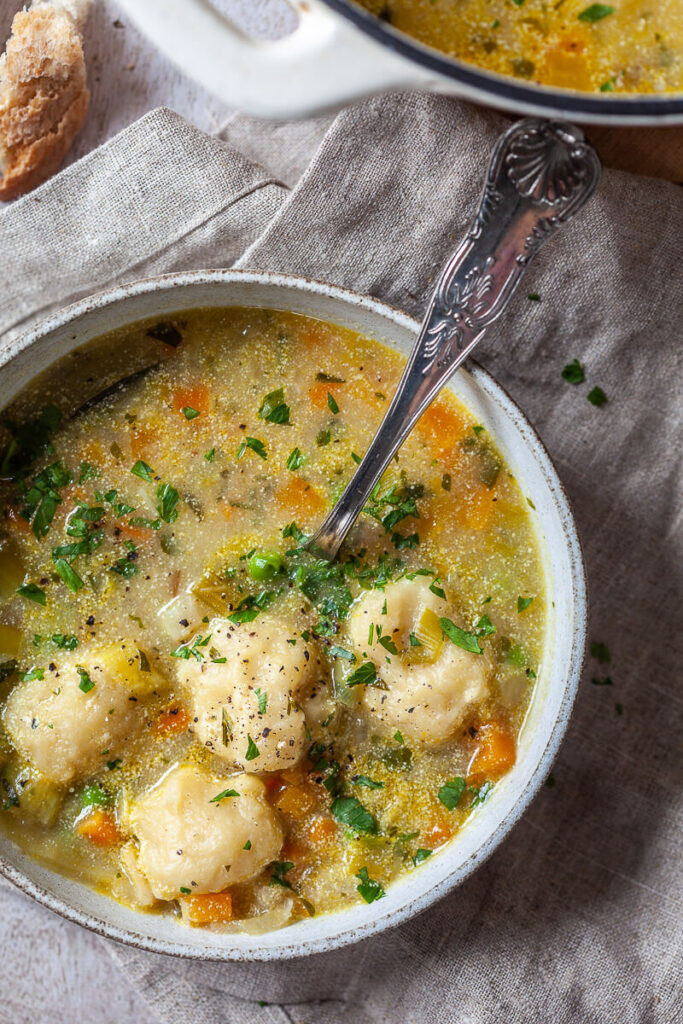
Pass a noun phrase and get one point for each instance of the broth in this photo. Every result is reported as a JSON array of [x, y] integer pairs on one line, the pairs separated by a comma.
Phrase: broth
[[198, 716]]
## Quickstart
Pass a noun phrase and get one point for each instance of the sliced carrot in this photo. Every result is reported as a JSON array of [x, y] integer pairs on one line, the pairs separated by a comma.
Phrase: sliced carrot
[[321, 830], [297, 801], [494, 756], [208, 908], [172, 721], [100, 828], [196, 398], [300, 500]]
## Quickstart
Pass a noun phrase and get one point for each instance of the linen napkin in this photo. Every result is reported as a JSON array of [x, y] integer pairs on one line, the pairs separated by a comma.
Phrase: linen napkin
[[577, 916]]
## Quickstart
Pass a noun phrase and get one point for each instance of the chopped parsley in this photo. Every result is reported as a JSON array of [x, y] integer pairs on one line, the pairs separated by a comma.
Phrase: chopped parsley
[[601, 652], [451, 791], [523, 603], [596, 12], [142, 470], [189, 413], [256, 446], [295, 459], [279, 868], [32, 592], [421, 855], [192, 648], [86, 684], [323, 437], [350, 811], [168, 498], [363, 780], [273, 408], [332, 404], [596, 396], [468, 641], [68, 575], [252, 750], [573, 372], [247, 845], [369, 889], [262, 697], [364, 675], [210, 455], [223, 795]]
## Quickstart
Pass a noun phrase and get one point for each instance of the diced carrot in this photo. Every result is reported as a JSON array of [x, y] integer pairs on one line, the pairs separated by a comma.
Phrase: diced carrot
[[443, 426], [100, 828], [567, 65], [320, 830], [196, 398], [136, 533], [296, 801], [141, 439], [436, 836], [300, 500], [208, 908], [296, 774], [172, 721], [321, 389], [494, 756], [93, 452], [477, 508]]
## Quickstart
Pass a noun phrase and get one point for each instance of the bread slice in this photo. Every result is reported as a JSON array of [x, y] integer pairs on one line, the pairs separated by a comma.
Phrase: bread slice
[[43, 93]]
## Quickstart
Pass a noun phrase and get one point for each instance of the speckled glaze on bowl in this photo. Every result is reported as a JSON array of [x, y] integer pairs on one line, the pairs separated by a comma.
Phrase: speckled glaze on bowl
[[564, 645]]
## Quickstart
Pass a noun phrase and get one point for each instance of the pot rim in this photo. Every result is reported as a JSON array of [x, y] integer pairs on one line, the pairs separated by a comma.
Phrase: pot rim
[[377, 920], [509, 92]]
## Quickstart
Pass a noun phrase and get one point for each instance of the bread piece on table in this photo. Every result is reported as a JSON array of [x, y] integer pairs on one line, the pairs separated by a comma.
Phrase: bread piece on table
[[43, 93]]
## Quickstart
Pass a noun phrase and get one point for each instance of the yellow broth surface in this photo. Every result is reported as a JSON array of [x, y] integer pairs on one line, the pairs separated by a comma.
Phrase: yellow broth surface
[[626, 46], [152, 545]]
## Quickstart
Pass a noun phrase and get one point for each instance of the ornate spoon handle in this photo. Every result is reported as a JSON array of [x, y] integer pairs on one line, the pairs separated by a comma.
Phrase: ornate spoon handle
[[541, 174]]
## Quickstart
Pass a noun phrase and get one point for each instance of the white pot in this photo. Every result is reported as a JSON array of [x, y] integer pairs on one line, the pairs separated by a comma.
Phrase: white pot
[[339, 53], [564, 642]]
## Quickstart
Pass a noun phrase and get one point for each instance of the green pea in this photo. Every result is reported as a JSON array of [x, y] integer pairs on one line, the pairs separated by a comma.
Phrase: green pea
[[265, 565], [93, 796]]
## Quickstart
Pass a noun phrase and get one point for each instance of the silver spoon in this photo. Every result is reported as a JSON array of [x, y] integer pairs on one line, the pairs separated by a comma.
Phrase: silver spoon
[[541, 174]]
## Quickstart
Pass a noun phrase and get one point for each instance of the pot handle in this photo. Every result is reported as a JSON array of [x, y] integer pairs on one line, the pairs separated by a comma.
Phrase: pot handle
[[323, 64]]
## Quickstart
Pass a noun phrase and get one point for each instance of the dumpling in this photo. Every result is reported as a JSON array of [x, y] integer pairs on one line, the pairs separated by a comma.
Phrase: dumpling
[[188, 840], [425, 699], [75, 719], [257, 694]]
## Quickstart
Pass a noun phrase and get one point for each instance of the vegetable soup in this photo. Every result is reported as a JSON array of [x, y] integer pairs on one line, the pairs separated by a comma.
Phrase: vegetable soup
[[630, 46], [199, 717]]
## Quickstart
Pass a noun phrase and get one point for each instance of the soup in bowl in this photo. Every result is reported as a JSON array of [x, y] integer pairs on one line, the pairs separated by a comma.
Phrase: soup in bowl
[[224, 744]]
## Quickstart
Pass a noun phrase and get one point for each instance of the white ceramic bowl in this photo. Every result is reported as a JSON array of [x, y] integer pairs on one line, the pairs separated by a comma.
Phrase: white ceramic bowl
[[564, 643]]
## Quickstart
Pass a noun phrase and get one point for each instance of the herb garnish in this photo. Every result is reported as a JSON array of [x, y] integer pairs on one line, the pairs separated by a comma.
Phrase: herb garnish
[[523, 603], [166, 505], [468, 641], [273, 408], [597, 396], [350, 811], [332, 404], [252, 750], [601, 652], [369, 889], [256, 446], [192, 649], [451, 791], [573, 372], [189, 413], [223, 796], [595, 12], [86, 684], [363, 780], [32, 592], [295, 459], [142, 470], [364, 675]]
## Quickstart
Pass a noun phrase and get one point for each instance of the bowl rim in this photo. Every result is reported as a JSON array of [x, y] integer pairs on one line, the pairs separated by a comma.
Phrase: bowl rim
[[506, 90], [378, 921]]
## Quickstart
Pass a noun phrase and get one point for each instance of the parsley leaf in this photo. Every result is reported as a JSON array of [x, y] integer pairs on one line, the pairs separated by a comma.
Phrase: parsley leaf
[[451, 791], [363, 780], [332, 404], [32, 592], [273, 408], [223, 796], [252, 750], [256, 446], [364, 675], [523, 603], [142, 470], [597, 396], [369, 889], [295, 459], [468, 641], [596, 12], [166, 505], [349, 811], [86, 684], [69, 575], [189, 413], [421, 855], [573, 372], [601, 652], [262, 697]]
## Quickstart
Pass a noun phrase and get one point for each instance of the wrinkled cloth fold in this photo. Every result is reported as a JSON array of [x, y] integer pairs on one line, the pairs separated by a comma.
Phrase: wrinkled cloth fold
[[577, 916]]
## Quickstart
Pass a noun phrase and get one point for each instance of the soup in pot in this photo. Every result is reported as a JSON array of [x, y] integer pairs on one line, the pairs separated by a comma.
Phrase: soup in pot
[[198, 716], [628, 46]]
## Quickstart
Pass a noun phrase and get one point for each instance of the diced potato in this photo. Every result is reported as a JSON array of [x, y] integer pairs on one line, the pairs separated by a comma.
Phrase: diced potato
[[141, 890], [127, 664], [186, 608], [38, 795]]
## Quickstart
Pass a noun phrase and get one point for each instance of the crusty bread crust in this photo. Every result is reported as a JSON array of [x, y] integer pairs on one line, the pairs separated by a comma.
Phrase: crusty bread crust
[[43, 97]]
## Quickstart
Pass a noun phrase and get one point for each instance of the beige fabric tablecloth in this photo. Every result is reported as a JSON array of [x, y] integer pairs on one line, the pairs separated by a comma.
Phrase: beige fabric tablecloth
[[577, 916]]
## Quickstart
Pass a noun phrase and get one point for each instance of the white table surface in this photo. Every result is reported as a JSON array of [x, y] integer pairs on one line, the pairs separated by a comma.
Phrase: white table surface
[[55, 972]]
